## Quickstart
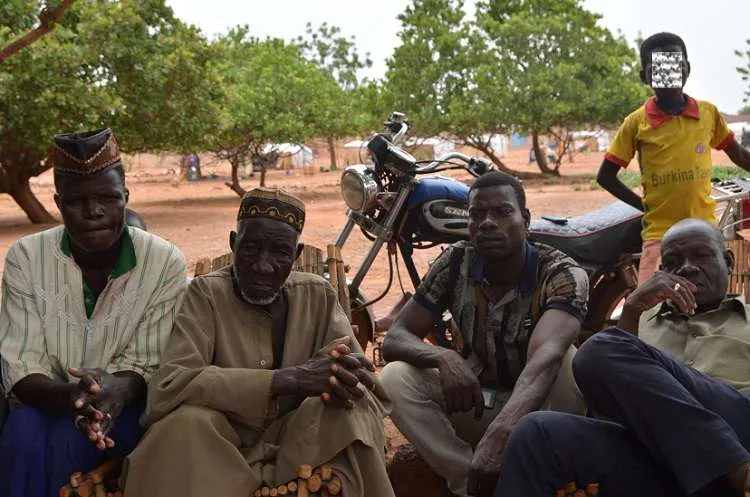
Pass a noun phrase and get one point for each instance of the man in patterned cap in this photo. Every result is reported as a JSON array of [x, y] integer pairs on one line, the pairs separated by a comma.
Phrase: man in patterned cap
[[86, 310], [262, 374]]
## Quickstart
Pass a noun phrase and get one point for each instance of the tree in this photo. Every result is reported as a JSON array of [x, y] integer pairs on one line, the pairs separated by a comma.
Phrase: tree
[[48, 17], [272, 95], [558, 68], [337, 55], [530, 66], [130, 65], [745, 71]]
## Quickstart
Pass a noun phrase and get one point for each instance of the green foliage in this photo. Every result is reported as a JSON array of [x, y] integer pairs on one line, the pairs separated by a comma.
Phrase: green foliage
[[523, 65], [342, 113], [128, 64], [558, 67], [745, 69], [271, 94], [727, 172]]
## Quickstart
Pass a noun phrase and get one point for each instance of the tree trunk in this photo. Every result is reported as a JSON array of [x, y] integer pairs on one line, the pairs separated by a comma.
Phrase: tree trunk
[[235, 184], [332, 152], [499, 163], [263, 174], [541, 156], [26, 200]]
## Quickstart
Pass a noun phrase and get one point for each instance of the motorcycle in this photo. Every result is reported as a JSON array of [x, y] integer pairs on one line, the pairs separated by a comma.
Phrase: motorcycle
[[403, 202]]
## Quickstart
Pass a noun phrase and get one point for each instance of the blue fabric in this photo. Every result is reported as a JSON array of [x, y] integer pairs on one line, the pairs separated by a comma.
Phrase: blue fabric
[[435, 187], [39, 451]]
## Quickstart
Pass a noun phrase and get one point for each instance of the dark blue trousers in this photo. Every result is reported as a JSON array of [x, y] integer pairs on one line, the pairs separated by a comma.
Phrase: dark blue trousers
[[675, 431], [39, 451]]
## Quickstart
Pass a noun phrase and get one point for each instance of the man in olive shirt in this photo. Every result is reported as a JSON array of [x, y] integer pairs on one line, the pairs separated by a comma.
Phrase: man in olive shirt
[[678, 397]]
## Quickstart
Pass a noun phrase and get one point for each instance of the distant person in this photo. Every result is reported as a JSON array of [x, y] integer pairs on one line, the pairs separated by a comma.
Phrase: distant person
[[193, 167], [87, 308], [672, 134]]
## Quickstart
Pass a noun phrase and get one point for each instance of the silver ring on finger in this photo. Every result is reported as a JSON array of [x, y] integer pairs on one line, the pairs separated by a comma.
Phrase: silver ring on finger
[[677, 287]]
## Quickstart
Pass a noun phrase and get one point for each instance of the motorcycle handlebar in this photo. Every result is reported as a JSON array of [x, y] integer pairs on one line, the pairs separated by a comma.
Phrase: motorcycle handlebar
[[474, 165]]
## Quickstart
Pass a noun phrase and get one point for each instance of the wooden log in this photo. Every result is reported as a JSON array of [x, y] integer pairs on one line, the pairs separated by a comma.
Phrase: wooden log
[[76, 479], [292, 486], [302, 487], [99, 490], [66, 491], [265, 491], [202, 266], [592, 489], [304, 472], [570, 487], [257, 493], [326, 472], [334, 486], [314, 483], [283, 489], [274, 492]]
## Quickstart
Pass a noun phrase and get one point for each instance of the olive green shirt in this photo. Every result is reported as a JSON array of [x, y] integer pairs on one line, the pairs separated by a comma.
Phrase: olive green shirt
[[716, 342]]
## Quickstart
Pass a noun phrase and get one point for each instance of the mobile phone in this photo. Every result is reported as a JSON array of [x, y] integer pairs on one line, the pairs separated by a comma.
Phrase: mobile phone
[[490, 397]]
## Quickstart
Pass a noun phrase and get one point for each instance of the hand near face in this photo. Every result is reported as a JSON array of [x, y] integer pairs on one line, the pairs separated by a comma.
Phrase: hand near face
[[663, 287]]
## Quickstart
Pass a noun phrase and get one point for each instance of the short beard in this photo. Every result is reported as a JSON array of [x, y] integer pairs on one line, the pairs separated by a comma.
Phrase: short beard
[[260, 301]]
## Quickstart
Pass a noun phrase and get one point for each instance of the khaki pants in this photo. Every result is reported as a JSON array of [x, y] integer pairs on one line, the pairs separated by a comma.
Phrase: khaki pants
[[447, 442]]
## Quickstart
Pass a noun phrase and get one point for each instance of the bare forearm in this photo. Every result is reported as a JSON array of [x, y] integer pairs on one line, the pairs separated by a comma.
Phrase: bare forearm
[[40, 391], [401, 345], [629, 320], [534, 384], [607, 179]]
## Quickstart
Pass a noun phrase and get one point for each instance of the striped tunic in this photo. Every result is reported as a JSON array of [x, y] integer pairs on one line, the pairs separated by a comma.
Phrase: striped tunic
[[43, 323]]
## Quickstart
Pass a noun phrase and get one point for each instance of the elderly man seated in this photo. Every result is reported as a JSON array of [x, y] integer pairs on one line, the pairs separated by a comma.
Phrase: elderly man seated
[[261, 375], [86, 310], [673, 378], [519, 308]]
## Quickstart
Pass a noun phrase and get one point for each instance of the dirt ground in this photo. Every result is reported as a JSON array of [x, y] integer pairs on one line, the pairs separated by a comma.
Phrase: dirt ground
[[198, 216]]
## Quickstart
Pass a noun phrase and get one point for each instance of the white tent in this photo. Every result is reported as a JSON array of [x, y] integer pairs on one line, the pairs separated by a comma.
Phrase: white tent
[[301, 155]]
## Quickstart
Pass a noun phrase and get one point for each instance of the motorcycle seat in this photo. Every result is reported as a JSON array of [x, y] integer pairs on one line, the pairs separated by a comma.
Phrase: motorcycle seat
[[597, 237]]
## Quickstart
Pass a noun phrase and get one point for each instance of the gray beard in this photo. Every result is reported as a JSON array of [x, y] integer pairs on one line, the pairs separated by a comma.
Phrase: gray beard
[[260, 301]]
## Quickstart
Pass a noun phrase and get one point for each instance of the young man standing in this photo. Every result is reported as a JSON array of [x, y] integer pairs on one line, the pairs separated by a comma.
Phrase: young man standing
[[672, 134]]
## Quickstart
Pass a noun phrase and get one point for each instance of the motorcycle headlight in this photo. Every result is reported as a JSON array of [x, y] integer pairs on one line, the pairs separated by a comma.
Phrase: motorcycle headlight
[[358, 188]]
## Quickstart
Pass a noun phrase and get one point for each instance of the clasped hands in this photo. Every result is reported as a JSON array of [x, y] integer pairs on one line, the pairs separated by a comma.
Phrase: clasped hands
[[339, 376], [97, 401]]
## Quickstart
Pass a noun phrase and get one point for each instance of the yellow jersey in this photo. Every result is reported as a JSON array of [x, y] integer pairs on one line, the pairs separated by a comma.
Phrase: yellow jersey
[[674, 155]]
